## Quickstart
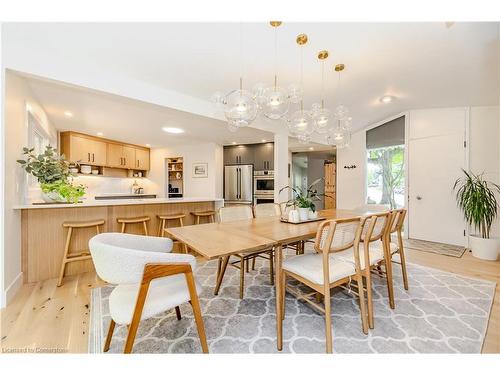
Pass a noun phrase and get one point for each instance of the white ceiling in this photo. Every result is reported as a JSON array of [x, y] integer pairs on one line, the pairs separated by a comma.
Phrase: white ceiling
[[129, 120], [422, 64]]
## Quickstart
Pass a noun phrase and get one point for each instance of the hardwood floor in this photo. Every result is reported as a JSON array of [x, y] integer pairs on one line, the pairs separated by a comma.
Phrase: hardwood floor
[[57, 319]]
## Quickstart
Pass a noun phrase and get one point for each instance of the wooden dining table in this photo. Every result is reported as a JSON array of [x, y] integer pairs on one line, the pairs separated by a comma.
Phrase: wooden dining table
[[217, 240]]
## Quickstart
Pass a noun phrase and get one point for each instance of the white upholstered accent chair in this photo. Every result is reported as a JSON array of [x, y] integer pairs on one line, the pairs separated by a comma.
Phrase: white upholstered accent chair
[[233, 214], [149, 280], [327, 269]]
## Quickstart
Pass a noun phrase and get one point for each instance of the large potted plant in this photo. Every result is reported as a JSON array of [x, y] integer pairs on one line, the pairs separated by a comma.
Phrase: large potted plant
[[304, 199], [476, 198], [52, 172]]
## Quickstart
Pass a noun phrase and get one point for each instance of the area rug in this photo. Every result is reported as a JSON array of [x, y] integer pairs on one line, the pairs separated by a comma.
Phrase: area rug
[[434, 247], [441, 313]]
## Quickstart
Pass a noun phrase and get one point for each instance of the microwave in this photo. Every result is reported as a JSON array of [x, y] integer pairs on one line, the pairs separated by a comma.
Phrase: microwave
[[263, 182]]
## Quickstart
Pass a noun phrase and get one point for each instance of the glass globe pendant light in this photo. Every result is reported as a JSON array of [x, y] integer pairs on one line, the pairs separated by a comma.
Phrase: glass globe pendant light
[[300, 123], [340, 135], [275, 100], [239, 106], [321, 115]]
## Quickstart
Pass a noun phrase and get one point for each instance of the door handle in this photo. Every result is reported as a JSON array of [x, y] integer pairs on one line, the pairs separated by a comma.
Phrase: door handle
[[419, 198]]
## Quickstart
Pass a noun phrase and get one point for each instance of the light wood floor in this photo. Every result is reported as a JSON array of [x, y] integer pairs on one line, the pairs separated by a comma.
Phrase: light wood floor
[[44, 316]]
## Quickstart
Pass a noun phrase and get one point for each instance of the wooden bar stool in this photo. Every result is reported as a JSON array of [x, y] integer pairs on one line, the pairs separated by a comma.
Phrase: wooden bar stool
[[82, 255], [163, 224], [134, 220], [209, 214]]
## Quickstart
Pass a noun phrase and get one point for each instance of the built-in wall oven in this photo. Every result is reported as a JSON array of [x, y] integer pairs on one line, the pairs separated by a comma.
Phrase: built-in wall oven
[[263, 186]]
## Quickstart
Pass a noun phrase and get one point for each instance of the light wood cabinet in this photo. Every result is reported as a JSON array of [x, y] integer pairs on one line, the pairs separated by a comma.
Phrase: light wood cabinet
[[84, 150], [87, 149], [141, 159]]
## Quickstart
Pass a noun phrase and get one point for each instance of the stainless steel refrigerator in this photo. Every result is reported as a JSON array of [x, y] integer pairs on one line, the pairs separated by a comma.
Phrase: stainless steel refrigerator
[[238, 183]]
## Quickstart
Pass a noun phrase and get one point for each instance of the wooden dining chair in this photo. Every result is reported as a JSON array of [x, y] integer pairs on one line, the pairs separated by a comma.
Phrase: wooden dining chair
[[325, 269], [233, 214], [396, 245], [149, 279]]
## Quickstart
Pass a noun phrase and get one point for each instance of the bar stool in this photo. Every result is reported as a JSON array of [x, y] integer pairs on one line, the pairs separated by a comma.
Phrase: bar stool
[[82, 255], [209, 214], [134, 220], [163, 224]]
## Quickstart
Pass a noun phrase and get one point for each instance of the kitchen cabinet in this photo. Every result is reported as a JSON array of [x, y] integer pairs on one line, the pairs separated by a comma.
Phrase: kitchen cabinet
[[84, 150], [264, 156], [141, 159], [241, 154]]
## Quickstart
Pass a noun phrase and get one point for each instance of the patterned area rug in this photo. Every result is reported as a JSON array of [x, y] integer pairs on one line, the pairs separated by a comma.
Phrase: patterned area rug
[[435, 247], [441, 313]]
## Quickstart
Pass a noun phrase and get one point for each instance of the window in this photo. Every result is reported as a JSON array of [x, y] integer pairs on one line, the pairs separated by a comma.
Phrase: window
[[37, 139], [385, 149]]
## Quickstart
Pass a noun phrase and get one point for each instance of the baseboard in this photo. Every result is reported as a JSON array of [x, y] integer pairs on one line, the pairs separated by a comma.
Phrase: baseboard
[[13, 288]]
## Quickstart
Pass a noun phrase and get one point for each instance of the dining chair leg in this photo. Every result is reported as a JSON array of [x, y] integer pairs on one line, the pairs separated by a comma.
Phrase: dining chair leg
[[109, 336], [145, 228], [362, 302], [225, 261], [195, 304], [242, 275], [247, 264], [271, 267], [390, 287], [318, 297], [328, 319], [369, 297], [123, 228], [403, 263], [160, 228], [253, 263], [178, 313], [65, 256]]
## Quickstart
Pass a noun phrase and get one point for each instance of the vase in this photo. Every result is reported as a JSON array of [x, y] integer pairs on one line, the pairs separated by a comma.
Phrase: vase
[[313, 214], [52, 197], [303, 213]]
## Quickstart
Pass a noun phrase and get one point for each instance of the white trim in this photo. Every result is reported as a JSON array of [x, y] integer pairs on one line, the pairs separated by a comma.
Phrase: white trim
[[467, 163], [13, 288], [406, 223]]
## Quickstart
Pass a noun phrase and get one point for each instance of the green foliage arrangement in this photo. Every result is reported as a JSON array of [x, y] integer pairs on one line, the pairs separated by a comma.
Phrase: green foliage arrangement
[[52, 172], [305, 198], [476, 198]]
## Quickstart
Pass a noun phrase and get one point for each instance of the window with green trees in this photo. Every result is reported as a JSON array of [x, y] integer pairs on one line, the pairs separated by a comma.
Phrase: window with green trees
[[385, 148]]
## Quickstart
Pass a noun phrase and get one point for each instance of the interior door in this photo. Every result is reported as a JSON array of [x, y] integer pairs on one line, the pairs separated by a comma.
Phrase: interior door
[[436, 156], [330, 186]]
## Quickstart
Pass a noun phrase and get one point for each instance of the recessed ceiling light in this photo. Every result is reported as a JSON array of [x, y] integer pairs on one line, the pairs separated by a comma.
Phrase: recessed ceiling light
[[100, 134], [264, 140], [68, 114], [173, 130], [311, 148], [233, 143], [386, 99], [148, 145]]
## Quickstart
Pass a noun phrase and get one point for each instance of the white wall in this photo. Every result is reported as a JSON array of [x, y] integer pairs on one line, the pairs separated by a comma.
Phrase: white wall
[[17, 97], [211, 153], [351, 182], [484, 150]]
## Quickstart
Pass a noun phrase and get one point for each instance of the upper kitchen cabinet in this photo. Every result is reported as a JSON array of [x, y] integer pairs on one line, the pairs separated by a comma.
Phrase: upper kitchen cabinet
[[264, 156], [86, 149], [83, 149], [241, 154], [121, 156], [141, 159]]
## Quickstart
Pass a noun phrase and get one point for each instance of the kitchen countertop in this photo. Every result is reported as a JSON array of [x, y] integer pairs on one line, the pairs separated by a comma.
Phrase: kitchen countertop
[[115, 202]]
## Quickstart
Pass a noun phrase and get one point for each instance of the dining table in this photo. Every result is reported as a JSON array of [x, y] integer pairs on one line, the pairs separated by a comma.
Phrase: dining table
[[218, 240]]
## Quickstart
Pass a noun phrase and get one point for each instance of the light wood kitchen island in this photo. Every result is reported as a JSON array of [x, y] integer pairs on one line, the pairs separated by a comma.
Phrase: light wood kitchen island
[[43, 236]]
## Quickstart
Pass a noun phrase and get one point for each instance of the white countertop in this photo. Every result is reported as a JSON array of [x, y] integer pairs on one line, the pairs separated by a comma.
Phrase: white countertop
[[116, 202]]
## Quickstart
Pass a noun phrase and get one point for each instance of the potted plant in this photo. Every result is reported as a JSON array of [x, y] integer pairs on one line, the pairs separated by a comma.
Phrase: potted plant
[[52, 172], [476, 198], [304, 200]]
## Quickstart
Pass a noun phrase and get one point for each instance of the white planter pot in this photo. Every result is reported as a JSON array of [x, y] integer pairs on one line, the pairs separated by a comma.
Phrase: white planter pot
[[313, 214], [303, 213], [484, 248], [52, 197]]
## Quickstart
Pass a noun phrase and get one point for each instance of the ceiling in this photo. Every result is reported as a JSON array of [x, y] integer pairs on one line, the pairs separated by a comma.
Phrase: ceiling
[[422, 64], [130, 120]]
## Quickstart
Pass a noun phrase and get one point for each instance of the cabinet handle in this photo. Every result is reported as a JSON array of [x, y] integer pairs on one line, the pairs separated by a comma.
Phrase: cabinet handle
[[124, 161], [88, 158], [92, 158], [137, 163]]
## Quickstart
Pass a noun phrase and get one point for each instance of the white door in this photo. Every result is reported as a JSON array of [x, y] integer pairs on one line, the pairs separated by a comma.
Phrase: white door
[[436, 156]]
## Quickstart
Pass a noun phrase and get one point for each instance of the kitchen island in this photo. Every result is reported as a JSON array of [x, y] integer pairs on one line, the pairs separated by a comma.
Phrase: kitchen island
[[43, 236]]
